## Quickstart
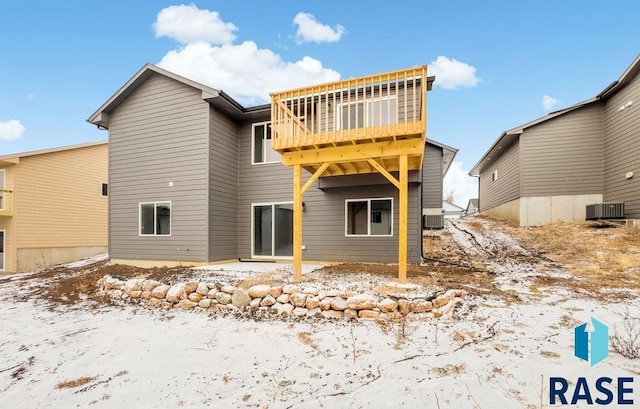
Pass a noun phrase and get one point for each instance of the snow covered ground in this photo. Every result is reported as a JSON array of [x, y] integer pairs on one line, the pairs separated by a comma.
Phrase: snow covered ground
[[489, 353]]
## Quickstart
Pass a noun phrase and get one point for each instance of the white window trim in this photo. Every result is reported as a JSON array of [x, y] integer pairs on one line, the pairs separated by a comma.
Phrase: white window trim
[[264, 146], [368, 102], [4, 187], [346, 217], [273, 232], [4, 249], [154, 221]]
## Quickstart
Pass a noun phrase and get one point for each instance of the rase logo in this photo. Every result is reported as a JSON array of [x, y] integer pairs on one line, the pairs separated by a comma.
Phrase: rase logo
[[599, 342], [593, 347]]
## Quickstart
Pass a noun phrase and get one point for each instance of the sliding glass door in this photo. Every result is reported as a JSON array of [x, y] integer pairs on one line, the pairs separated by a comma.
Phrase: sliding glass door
[[272, 230]]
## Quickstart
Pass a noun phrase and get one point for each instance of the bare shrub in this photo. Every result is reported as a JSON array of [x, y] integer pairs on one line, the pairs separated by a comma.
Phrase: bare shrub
[[626, 340]]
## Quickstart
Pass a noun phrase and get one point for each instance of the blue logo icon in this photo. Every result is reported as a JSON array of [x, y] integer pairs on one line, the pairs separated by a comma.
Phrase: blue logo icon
[[599, 342]]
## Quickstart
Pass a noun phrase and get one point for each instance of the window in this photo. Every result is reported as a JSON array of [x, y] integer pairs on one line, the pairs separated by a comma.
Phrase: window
[[261, 140], [365, 113], [155, 219], [369, 217], [494, 175], [105, 189]]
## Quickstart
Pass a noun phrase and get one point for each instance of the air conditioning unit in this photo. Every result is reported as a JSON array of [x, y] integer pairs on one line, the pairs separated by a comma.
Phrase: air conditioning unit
[[598, 211], [432, 221]]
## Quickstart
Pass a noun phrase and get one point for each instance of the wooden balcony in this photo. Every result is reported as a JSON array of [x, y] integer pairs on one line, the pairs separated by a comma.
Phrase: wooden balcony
[[6, 202], [353, 122]]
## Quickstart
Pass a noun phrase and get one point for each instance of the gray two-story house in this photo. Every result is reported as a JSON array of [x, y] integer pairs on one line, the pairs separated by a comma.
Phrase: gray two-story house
[[193, 179], [551, 168]]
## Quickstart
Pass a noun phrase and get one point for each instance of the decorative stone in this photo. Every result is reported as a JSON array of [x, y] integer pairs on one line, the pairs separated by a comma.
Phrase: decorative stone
[[202, 288], [115, 293], [312, 302], [388, 305], [298, 299], [166, 305], [154, 302], [174, 294], [191, 286], [283, 309], [350, 313], [240, 298], [135, 294], [229, 289], [275, 291], [291, 289], [232, 308], [321, 294], [258, 291], [368, 314], [212, 286], [345, 294], [362, 302], [448, 307], [112, 283], [404, 306], [132, 285], [149, 285], [325, 304], [160, 291], [310, 291], [186, 304], [315, 313], [205, 303], [268, 301], [284, 298], [338, 304], [422, 306], [212, 293], [332, 314], [300, 312], [145, 295], [333, 293], [440, 300], [223, 298], [195, 297], [255, 303]]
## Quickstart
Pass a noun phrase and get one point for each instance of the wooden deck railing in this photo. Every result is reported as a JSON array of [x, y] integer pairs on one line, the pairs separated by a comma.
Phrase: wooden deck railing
[[374, 107], [6, 202]]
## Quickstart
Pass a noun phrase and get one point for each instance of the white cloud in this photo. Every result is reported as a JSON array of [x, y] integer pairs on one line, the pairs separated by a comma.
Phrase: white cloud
[[11, 130], [453, 74], [311, 30], [464, 186], [244, 71], [548, 103], [189, 24]]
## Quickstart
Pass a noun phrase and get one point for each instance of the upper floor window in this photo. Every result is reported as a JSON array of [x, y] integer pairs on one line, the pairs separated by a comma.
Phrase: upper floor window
[[262, 152], [155, 219], [367, 112], [494, 175], [105, 189]]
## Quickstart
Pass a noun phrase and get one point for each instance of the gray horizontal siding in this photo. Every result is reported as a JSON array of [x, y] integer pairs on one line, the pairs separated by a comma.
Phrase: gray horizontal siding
[[323, 218], [563, 156], [507, 187], [432, 177], [156, 136], [223, 187], [622, 148]]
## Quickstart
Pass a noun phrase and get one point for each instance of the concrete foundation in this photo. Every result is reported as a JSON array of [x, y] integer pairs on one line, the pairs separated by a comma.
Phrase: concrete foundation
[[39, 258]]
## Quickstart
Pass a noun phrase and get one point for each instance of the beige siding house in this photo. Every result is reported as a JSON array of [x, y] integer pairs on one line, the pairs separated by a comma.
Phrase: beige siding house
[[550, 169], [53, 206]]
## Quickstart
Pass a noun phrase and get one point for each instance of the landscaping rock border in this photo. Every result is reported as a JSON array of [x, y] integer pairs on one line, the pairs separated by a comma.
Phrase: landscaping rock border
[[289, 299]]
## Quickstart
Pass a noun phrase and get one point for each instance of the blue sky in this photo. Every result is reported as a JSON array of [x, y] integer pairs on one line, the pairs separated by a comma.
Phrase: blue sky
[[61, 60]]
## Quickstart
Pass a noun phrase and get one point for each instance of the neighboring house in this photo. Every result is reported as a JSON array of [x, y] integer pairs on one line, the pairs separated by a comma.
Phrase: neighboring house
[[472, 207], [53, 206], [437, 159], [551, 168], [193, 179], [451, 210]]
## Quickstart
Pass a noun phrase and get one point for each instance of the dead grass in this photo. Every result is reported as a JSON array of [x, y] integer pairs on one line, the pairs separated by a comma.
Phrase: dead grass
[[75, 382], [599, 258], [450, 370], [270, 278], [306, 339]]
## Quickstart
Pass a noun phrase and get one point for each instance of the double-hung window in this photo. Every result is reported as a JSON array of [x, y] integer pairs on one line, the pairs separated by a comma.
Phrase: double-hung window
[[155, 219], [369, 217]]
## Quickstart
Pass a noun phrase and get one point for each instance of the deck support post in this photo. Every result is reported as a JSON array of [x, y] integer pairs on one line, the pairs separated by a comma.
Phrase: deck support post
[[403, 228], [297, 223]]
